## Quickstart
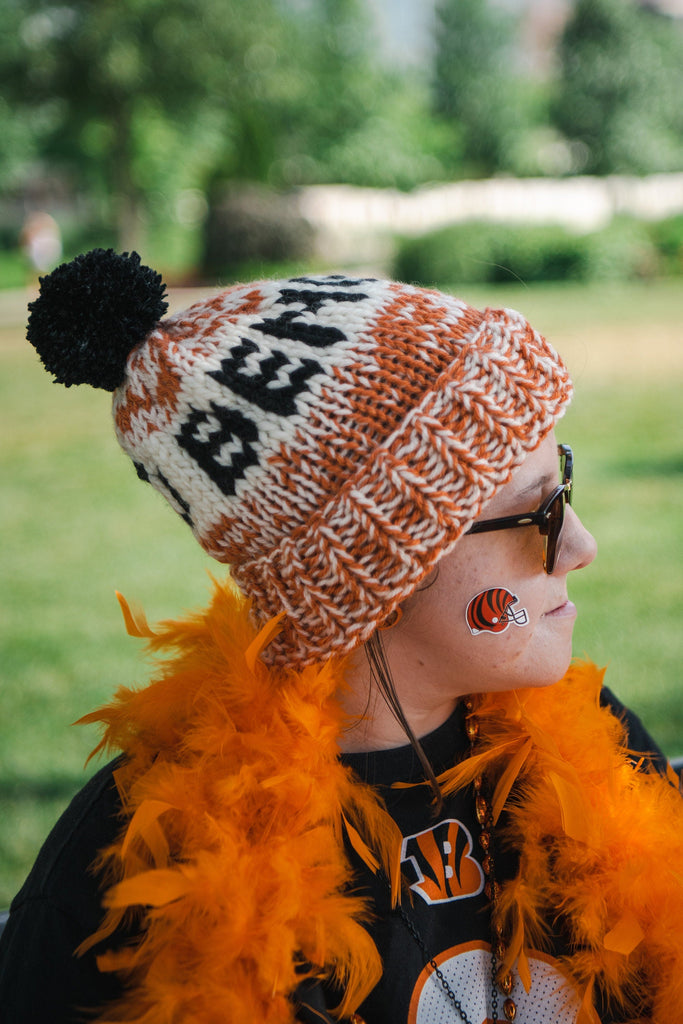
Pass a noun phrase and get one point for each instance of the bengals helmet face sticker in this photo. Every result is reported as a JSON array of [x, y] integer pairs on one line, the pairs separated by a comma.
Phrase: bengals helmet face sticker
[[491, 611]]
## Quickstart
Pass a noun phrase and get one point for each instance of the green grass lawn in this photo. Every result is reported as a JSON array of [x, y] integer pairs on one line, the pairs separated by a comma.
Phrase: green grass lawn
[[75, 523]]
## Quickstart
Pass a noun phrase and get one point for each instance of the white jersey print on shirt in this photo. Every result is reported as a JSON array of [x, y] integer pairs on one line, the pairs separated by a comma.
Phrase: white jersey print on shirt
[[467, 969]]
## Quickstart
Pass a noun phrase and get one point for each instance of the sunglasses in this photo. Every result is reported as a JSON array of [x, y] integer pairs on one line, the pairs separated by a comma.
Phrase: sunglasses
[[550, 515]]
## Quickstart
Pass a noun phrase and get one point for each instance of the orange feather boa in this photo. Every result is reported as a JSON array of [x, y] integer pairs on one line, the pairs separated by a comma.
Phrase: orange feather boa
[[236, 806]]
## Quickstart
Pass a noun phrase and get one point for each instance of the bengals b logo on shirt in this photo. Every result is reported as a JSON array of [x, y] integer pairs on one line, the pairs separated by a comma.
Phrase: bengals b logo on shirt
[[439, 865]]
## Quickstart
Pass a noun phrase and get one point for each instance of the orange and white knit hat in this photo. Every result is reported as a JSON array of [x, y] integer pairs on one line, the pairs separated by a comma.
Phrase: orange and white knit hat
[[329, 437]]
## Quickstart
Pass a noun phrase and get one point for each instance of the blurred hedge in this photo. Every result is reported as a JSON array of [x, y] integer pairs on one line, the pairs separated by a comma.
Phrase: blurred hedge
[[482, 252]]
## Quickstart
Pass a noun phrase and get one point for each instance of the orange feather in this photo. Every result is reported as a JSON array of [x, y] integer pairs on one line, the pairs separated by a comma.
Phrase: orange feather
[[237, 805]]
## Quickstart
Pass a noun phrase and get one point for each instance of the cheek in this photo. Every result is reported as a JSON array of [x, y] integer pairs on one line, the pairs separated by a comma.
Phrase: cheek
[[502, 617], [519, 651], [485, 623], [504, 596], [485, 599], [534, 648], [494, 611]]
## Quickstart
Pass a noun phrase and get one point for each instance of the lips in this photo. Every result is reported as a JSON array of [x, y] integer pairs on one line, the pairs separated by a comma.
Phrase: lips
[[567, 608]]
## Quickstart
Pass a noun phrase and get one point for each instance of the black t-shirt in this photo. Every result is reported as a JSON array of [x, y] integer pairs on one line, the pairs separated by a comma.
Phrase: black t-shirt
[[60, 904], [447, 921]]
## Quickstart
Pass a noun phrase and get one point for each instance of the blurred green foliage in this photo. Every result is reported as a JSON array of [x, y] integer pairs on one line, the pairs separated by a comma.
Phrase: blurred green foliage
[[477, 86], [137, 101], [128, 94], [146, 107], [667, 236], [476, 251], [617, 94]]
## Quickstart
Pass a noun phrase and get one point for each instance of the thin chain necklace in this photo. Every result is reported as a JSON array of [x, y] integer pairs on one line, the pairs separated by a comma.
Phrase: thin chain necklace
[[505, 983], [484, 815]]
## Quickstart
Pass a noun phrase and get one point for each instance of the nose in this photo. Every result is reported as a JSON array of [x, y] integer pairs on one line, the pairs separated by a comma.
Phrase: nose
[[579, 546]]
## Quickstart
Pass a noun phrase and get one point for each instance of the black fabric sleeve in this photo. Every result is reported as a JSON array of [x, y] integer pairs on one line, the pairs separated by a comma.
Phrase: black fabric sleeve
[[311, 1004], [42, 981], [639, 739], [59, 906]]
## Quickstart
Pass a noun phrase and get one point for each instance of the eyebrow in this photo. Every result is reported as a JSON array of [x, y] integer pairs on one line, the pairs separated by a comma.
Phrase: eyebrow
[[538, 484]]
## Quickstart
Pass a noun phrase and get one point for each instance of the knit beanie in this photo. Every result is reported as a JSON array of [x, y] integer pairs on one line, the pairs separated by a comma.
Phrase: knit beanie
[[329, 437]]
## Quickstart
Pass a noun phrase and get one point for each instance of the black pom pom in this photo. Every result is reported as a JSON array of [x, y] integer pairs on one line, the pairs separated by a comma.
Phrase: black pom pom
[[91, 313]]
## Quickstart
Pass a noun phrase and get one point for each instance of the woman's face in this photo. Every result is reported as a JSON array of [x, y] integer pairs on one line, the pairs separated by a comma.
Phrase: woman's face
[[433, 653]]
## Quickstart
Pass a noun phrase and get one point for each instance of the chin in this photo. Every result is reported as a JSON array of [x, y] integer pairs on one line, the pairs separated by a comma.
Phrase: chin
[[551, 672]]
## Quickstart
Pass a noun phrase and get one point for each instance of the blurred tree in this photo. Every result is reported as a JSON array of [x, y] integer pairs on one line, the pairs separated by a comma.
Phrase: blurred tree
[[326, 110], [619, 88], [139, 99], [17, 133], [125, 93], [304, 91], [477, 86], [339, 87]]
